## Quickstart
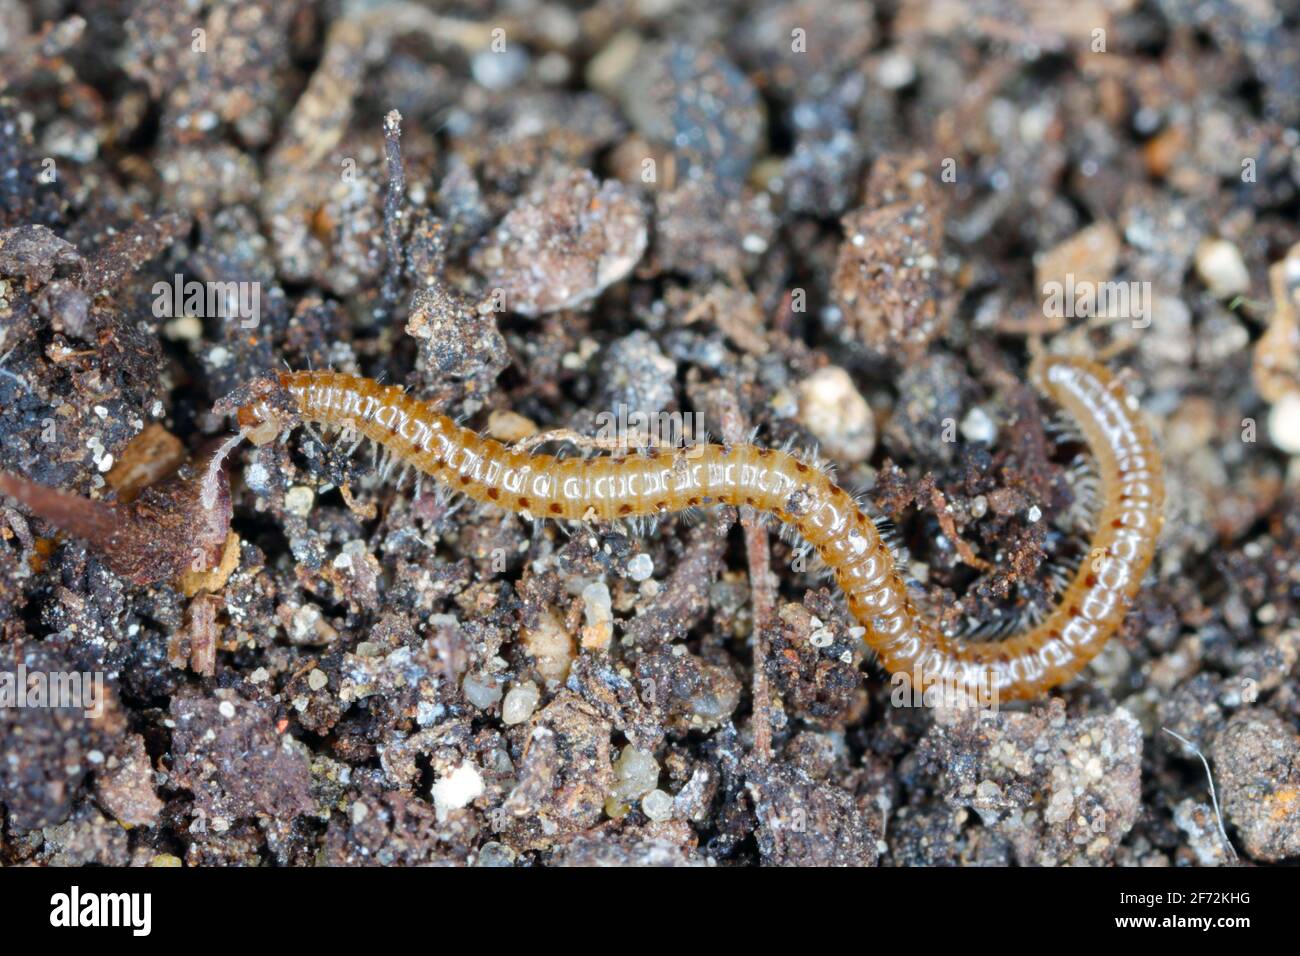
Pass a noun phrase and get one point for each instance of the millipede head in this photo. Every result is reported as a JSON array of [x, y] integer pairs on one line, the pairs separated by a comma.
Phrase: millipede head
[[263, 408]]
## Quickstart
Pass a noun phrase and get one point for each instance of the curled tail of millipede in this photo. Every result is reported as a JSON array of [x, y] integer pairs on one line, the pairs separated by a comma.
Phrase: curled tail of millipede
[[1092, 604]]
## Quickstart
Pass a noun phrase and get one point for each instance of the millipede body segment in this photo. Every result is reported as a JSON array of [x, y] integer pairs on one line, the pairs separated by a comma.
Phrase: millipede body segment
[[662, 482]]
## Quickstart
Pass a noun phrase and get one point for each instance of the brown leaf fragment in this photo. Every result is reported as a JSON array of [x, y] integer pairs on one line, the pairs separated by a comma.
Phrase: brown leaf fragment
[[177, 526]]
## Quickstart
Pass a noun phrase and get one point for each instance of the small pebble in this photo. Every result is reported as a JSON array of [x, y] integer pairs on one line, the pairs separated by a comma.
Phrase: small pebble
[[496, 854], [510, 427], [637, 773], [499, 70], [298, 500], [977, 426], [520, 703], [598, 613], [641, 567], [457, 789], [482, 690], [1221, 268], [309, 627], [550, 646], [895, 70], [187, 328], [832, 408], [658, 806], [1284, 423]]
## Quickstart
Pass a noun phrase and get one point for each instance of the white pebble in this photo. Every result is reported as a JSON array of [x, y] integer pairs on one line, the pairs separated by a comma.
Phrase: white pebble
[[298, 500], [317, 680], [833, 409], [520, 703], [641, 567], [187, 328], [637, 772], [895, 70], [456, 790], [1220, 266], [305, 624], [598, 614], [499, 70], [1284, 423], [482, 690], [226, 709], [256, 476], [977, 426], [658, 806]]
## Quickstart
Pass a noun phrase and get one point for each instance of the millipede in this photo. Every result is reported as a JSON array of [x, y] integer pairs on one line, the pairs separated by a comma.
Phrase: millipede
[[656, 482]]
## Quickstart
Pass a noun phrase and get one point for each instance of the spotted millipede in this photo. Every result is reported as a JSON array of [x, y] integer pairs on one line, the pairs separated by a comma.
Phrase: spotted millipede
[[654, 483]]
